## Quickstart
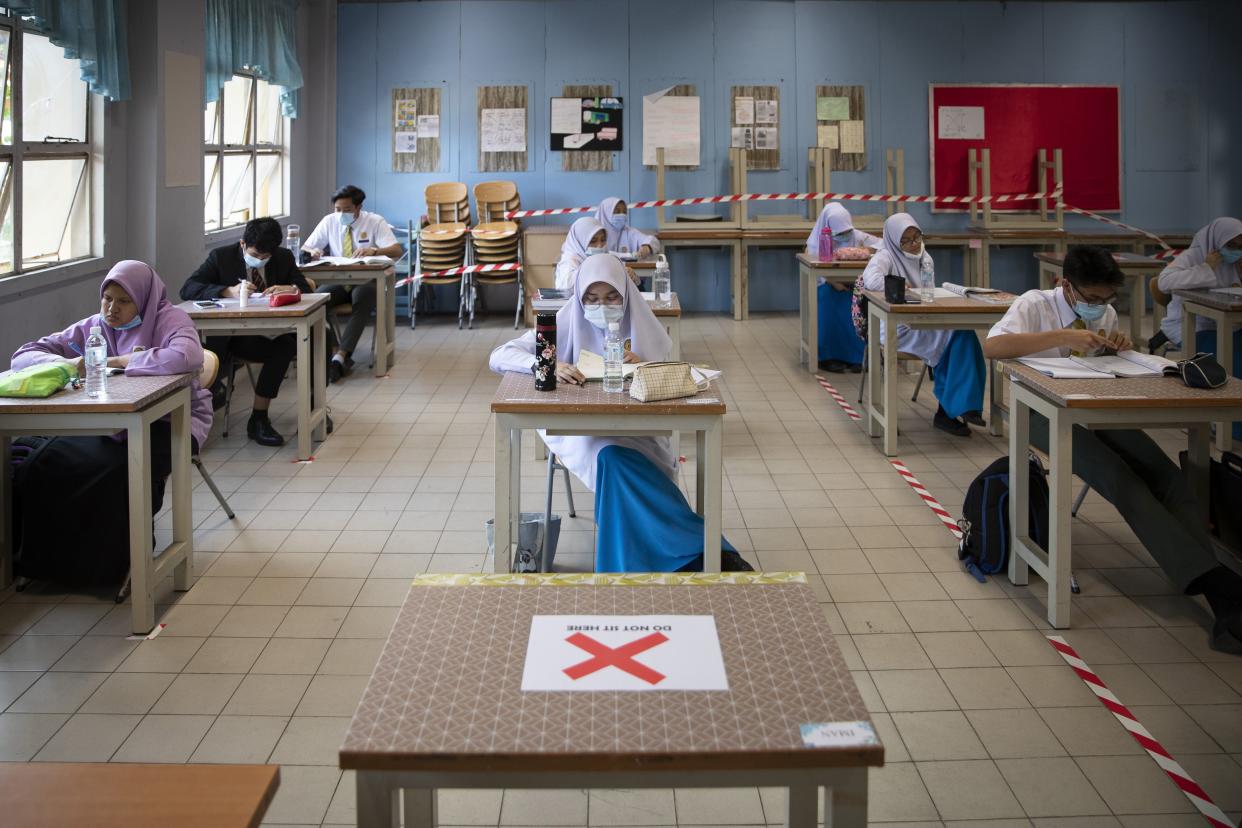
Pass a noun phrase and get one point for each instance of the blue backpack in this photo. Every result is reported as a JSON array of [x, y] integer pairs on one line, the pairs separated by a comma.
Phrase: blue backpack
[[984, 547]]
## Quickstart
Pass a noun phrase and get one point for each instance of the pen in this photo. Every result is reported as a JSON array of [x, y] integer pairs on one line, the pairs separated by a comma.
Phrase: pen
[[75, 347]]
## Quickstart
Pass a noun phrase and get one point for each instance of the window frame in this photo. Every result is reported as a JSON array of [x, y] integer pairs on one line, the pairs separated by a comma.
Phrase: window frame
[[21, 150], [253, 149]]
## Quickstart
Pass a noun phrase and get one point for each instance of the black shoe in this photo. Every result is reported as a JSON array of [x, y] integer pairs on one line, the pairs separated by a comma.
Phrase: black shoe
[[259, 428], [349, 365], [834, 366], [336, 371], [327, 422], [219, 395], [974, 418], [733, 562], [944, 422], [854, 367]]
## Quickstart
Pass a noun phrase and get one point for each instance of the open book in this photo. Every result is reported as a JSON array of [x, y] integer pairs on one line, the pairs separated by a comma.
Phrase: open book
[[344, 260], [1123, 364], [591, 365], [983, 294]]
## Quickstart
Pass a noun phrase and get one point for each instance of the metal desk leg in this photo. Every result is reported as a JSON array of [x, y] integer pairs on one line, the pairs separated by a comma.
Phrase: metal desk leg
[[1019, 487], [182, 505], [1060, 477], [305, 371], [1224, 355], [377, 801], [995, 391], [140, 562], [382, 303], [420, 807], [500, 523], [845, 800], [800, 806], [6, 517], [319, 372], [1138, 304], [890, 389], [709, 495]]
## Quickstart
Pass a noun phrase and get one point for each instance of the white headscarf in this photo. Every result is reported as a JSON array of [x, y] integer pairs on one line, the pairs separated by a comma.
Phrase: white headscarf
[[579, 236], [647, 336], [837, 219], [900, 263], [614, 224], [1214, 236]]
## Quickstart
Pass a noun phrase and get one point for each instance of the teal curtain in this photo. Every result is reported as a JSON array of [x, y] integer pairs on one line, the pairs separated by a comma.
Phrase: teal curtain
[[258, 36], [91, 32]]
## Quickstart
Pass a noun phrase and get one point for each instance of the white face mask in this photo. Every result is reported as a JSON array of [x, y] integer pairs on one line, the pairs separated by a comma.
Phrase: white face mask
[[601, 315], [914, 256], [591, 251]]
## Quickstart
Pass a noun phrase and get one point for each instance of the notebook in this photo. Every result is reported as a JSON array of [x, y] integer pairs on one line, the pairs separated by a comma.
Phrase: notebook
[[1123, 364], [591, 365]]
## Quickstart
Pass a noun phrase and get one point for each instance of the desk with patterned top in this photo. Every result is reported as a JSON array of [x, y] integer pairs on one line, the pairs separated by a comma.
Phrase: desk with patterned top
[[1226, 311]]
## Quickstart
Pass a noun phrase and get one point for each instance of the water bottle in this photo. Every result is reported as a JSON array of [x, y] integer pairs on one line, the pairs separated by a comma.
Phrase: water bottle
[[293, 240], [243, 293], [927, 280], [545, 351], [96, 364], [825, 245], [614, 356], [661, 283]]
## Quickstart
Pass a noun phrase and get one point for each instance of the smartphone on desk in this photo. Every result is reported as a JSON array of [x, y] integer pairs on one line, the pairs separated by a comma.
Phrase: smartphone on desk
[[207, 303]]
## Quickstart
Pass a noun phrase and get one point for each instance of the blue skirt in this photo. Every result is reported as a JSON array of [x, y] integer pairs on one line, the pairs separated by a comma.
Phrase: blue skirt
[[960, 375], [642, 521], [837, 337], [1205, 342]]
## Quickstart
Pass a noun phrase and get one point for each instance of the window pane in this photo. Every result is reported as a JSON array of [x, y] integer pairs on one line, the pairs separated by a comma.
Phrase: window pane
[[6, 219], [6, 119], [211, 123], [270, 196], [55, 222], [238, 189], [237, 126], [268, 115], [211, 186], [53, 93]]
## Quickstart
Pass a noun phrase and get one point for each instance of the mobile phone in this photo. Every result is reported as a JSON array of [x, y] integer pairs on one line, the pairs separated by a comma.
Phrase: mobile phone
[[207, 303]]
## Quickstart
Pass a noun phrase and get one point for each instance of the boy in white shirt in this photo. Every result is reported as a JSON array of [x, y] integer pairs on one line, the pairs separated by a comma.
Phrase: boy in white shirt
[[1124, 465], [351, 231]]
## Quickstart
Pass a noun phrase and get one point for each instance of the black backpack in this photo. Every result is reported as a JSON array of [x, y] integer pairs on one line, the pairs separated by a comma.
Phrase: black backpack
[[984, 547]]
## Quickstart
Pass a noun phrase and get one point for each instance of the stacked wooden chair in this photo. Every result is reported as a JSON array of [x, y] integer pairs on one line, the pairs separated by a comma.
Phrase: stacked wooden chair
[[496, 240], [442, 242]]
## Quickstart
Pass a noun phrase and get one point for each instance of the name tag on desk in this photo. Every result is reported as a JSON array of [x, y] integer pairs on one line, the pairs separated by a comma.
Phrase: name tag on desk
[[838, 734]]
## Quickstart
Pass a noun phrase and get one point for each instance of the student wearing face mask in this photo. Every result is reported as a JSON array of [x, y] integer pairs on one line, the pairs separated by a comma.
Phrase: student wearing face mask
[[643, 521], [840, 349], [585, 238], [259, 261], [954, 357], [1214, 259], [351, 232], [1125, 466], [614, 216]]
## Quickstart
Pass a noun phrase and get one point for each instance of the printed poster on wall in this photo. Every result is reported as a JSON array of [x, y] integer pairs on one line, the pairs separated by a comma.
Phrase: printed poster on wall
[[405, 116], [503, 130], [587, 124], [671, 122]]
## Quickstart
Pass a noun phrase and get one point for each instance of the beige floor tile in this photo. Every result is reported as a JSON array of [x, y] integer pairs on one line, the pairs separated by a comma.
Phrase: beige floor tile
[[368, 622], [1150, 645], [96, 653], [1175, 729], [873, 617], [1223, 722], [22, 735], [1052, 687], [1191, 684], [356, 657], [128, 693], [1089, 731], [632, 807], [469, 807], [983, 688], [311, 740], [543, 808], [912, 690], [225, 655], [88, 737], [164, 739], [847, 588], [1133, 785], [956, 649], [193, 694], [238, 564], [718, 806], [345, 566], [291, 564], [216, 590], [261, 694], [896, 651], [330, 592], [303, 795], [1217, 774], [56, 692], [161, 655], [994, 614], [933, 616], [894, 792], [292, 656], [332, 696], [195, 620], [969, 789], [1051, 787], [1016, 733], [251, 622], [13, 684], [69, 619], [312, 622], [240, 740], [938, 735], [35, 652], [273, 591], [1021, 648]]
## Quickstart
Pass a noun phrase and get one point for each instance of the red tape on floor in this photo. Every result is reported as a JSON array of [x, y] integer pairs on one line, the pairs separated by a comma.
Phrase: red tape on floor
[[1197, 796], [933, 504], [836, 395]]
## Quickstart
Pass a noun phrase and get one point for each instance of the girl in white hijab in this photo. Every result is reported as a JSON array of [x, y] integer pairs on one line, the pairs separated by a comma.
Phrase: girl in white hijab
[[954, 357], [643, 522], [613, 215], [585, 238], [840, 349]]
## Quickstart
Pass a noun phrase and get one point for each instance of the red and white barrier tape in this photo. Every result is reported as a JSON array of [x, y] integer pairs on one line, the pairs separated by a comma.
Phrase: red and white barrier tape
[[454, 271], [1197, 796], [836, 395], [933, 504], [729, 199], [1120, 224]]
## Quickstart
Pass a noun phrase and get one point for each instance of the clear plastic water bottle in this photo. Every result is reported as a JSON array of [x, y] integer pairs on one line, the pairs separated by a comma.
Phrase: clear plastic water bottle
[[927, 280], [661, 283], [614, 356], [96, 364], [293, 240]]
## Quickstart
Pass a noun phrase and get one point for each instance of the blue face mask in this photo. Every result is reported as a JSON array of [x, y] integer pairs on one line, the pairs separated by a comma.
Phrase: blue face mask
[[133, 323], [253, 261], [1089, 313], [1230, 255], [345, 219], [592, 251], [600, 315]]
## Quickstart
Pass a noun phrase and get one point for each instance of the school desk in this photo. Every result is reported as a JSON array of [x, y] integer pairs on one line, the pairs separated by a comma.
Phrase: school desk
[[306, 320], [943, 314], [1137, 269], [1226, 312], [589, 410], [445, 707], [1145, 402], [810, 271], [1050, 237], [131, 405], [102, 795], [704, 235], [384, 276]]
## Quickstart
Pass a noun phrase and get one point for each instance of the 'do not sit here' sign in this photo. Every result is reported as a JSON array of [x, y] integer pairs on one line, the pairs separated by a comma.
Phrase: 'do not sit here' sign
[[588, 653]]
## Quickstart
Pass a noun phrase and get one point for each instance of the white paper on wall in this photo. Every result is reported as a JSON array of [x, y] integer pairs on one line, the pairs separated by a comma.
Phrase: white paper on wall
[[961, 122], [405, 142], [672, 122], [743, 110], [828, 135], [742, 138], [428, 126], [503, 130], [767, 138], [852, 136], [566, 116], [765, 112]]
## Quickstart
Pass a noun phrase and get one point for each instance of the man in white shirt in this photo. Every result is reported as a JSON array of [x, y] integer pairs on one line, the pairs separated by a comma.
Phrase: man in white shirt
[[1125, 466], [352, 232]]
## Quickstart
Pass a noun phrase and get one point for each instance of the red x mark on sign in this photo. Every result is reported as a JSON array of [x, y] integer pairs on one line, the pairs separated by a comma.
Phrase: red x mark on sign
[[620, 657]]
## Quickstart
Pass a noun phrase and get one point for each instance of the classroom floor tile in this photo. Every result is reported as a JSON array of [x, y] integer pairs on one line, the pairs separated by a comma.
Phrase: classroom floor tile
[[264, 659]]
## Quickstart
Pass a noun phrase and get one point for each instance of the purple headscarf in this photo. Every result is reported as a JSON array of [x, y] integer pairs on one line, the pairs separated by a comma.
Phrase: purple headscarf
[[647, 336], [159, 317]]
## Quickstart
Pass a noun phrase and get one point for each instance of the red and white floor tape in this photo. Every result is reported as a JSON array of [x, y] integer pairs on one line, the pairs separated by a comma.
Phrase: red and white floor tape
[[836, 395], [947, 519], [1197, 796], [454, 271]]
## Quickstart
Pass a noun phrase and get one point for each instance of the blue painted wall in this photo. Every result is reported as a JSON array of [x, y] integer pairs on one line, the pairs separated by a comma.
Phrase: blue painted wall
[[1179, 172]]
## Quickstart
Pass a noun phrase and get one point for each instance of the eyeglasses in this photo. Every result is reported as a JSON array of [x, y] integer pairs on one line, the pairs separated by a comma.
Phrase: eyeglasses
[[592, 302], [1111, 300], [915, 239]]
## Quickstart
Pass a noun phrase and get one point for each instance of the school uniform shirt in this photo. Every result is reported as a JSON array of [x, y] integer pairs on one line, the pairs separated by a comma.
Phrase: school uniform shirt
[[368, 230], [1191, 270], [225, 267], [889, 259], [620, 233], [1037, 311], [574, 251]]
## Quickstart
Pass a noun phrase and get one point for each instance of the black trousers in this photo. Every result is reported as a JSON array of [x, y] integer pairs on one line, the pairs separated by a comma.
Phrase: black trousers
[[275, 354]]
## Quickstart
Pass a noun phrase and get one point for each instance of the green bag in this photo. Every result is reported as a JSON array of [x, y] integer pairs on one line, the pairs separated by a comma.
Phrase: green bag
[[42, 380]]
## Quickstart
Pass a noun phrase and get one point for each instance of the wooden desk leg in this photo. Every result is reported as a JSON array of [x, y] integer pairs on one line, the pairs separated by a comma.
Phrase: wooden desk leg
[[741, 258], [810, 327], [710, 495], [1060, 479], [320, 375], [377, 801], [1188, 332], [382, 304], [890, 389], [995, 411], [873, 374], [6, 516], [801, 806], [420, 808], [182, 505], [985, 265], [138, 440], [1046, 277], [845, 800], [1224, 355], [500, 521], [305, 371], [1138, 304], [673, 329], [1019, 487]]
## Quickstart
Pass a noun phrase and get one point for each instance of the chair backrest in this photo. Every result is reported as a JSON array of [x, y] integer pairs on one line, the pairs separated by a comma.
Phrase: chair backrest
[[211, 367], [447, 201], [493, 198], [1158, 295]]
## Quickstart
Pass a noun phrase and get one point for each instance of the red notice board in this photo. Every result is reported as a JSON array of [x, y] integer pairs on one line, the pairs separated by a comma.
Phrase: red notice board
[[1020, 119]]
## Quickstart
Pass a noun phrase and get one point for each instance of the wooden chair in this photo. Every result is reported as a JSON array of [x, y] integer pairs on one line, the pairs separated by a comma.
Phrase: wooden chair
[[496, 240], [441, 242]]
